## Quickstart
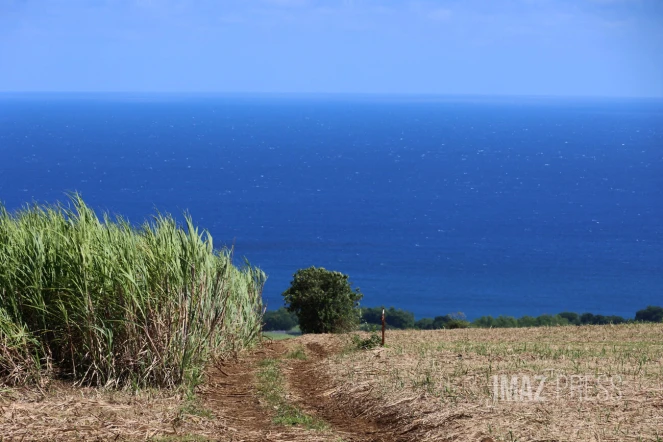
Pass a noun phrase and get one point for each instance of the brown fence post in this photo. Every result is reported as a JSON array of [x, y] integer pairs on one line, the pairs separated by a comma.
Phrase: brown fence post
[[383, 326]]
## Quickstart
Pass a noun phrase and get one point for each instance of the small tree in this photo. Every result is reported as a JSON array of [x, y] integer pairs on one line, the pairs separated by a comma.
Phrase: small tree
[[572, 317], [323, 301], [650, 314]]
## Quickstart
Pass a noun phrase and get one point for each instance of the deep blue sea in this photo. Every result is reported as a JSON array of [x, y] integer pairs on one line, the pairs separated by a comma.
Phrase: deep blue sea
[[433, 204]]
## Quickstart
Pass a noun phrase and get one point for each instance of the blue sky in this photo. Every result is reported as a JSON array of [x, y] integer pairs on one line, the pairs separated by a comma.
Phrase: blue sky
[[494, 47]]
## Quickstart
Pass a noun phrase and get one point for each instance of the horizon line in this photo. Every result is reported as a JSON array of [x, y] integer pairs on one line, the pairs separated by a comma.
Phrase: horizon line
[[329, 94]]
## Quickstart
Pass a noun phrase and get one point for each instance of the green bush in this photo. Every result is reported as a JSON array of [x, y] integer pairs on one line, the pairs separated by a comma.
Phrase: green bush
[[650, 314], [424, 324], [280, 319], [505, 322], [591, 319], [436, 323], [456, 320], [394, 318], [366, 344], [571, 317], [484, 322], [528, 321], [323, 301], [456, 323], [449, 321]]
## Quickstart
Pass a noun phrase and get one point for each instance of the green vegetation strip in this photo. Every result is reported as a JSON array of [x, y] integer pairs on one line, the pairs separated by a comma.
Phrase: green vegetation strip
[[371, 320], [271, 386], [276, 336]]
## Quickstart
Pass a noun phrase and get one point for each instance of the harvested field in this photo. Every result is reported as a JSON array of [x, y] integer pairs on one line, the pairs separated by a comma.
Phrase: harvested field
[[66, 413], [595, 383]]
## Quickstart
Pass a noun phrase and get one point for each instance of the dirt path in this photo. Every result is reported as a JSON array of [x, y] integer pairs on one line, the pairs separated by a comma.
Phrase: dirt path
[[228, 407], [313, 390], [232, 395]]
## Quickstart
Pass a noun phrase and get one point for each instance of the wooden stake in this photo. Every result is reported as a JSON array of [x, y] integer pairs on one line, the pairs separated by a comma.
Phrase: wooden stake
[[383, 326]]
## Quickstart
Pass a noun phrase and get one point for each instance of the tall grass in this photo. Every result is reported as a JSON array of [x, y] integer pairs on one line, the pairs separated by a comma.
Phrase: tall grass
[[109, 304]]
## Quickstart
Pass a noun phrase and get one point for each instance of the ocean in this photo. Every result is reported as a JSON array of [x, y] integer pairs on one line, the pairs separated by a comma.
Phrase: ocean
[[489, 206]]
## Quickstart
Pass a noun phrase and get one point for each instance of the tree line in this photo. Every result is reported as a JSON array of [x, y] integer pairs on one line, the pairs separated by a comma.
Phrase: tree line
[[323, 301], [400, 319]]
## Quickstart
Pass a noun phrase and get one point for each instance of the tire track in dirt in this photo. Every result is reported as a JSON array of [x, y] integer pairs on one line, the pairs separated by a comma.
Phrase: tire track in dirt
[[231, 394], [314, 392]]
